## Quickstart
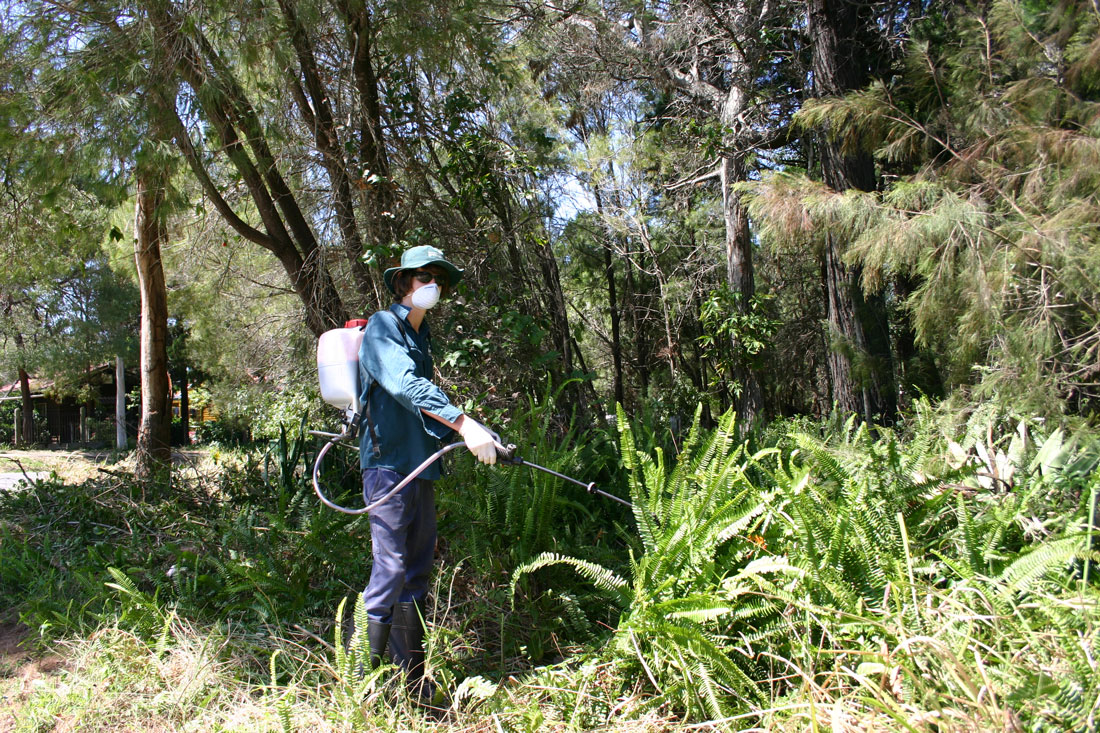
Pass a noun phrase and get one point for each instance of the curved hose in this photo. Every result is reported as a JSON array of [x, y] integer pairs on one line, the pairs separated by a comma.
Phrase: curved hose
[[374, 504], [506, 453]]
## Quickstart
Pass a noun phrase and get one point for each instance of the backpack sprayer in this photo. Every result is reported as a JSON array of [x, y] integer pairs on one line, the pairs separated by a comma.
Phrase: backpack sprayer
[[338, 373]]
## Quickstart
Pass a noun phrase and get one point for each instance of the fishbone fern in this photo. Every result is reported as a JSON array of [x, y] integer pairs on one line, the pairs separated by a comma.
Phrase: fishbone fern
[[678, 619]]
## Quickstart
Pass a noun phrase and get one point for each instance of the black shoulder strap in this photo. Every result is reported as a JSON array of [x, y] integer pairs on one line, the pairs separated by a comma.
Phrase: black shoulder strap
[[370, 389]]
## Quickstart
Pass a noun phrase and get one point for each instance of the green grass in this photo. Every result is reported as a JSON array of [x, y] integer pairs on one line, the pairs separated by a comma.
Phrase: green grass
[[839, 578]]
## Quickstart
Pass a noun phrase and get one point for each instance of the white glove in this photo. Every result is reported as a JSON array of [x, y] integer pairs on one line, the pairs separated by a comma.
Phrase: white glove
[[479, 440]]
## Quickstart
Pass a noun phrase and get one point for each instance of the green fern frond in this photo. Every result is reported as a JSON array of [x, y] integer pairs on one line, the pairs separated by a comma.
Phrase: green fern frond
[[692, 643], [685, 464], [698, 608], [877, 531], [139, 608], [360, 640], [601, 577], [673, 553], [972, 551], [282, 707], [627, 449], [342, 657], [710, 692], [647, 527], [734, 518], [1044, 560], [165, 635], [751, 612], [825, 460]]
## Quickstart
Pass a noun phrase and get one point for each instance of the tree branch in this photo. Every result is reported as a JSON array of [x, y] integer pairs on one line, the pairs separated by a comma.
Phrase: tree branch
[[187, 148], [317, 112]]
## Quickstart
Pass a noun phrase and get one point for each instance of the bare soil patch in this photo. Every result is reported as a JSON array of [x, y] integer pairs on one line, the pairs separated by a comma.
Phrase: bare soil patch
[[20, 667], [77, 466]]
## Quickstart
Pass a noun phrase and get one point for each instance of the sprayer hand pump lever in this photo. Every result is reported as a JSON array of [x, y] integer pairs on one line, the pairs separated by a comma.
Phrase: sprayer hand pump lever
[[505, 453]]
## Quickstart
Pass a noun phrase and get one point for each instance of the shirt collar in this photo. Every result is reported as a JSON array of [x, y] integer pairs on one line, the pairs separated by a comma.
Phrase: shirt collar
[[402, 312]]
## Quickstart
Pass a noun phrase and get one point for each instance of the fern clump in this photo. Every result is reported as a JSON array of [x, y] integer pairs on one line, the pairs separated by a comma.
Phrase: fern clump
[[874, 572], [679, 623]]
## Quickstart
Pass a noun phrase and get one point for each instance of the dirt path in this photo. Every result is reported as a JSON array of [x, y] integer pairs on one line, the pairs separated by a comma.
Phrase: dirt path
[[69, 465], [12, 481], [20, 669], [75, 466]]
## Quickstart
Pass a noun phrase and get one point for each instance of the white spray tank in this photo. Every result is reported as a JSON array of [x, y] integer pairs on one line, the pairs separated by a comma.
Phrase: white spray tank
[[338, 367]]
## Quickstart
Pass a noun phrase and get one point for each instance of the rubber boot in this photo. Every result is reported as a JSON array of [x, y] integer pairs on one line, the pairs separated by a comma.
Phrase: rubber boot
[[378, 635], [407, 650]]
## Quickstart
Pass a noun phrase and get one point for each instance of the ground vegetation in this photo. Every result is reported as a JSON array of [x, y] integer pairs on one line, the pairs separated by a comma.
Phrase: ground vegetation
[[813, 286], [939, 575]]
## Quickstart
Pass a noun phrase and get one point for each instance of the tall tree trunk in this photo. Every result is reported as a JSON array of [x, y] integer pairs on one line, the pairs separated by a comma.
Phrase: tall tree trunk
[[613, 308], [27, 401], [739, 271], [616, 336], [154, 432], [845, 335], [227, 108], [24, 430], [379, 197], [741, 279], [121, 439], [860, 362], [185, 407], [316, 109], [555, 304], [642, 357], [26, 417], [730, 101]]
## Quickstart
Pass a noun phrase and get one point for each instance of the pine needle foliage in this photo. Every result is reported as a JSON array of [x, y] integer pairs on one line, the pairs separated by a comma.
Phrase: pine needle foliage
[[988, 137]]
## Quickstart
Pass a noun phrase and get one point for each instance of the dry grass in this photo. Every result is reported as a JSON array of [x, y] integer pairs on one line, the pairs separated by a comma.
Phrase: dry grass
[[78, 466]]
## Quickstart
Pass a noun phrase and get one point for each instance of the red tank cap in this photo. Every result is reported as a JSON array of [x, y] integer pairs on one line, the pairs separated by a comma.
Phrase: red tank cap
[[355, 323]]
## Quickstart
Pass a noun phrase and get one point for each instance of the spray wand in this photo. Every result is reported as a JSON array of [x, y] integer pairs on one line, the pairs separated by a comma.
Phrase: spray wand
[[506, 454]]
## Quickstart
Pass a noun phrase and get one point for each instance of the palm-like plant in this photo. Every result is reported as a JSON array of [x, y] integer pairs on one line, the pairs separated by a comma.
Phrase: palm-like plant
[[677, 615]]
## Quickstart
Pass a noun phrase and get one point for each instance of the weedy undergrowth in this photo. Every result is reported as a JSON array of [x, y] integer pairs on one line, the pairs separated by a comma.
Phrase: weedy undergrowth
[[937, 576], [948, 616], [861, 575], [692, 518], [514, 512]]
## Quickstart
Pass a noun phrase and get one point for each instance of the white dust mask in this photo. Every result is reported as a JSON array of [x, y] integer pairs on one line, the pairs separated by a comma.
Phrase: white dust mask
[[426, 296]]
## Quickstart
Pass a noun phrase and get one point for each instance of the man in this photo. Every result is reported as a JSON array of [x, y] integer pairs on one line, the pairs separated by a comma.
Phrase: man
[[405, 416]]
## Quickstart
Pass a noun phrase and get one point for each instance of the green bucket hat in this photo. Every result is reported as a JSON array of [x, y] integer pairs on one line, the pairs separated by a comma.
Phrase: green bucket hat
[[422, 256]]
